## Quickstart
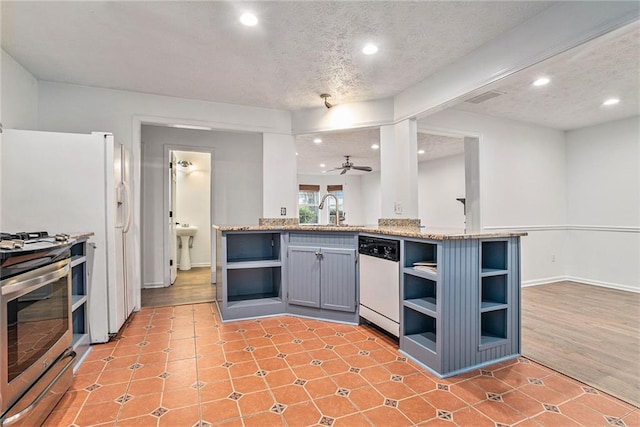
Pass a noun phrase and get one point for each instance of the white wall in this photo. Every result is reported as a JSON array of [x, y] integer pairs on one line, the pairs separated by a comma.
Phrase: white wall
[[522, 185], [19, 96], [440, 182], [371, 198], [279, 188], [603, 188], [193, 203], [237, 185], [353, 206]]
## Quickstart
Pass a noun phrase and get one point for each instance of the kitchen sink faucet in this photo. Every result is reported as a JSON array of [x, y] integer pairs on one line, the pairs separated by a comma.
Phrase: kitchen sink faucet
[[321, 205]]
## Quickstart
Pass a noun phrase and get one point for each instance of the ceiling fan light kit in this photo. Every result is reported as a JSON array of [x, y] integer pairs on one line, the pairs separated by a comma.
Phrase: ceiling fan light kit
[[324, 96], [347, 165]]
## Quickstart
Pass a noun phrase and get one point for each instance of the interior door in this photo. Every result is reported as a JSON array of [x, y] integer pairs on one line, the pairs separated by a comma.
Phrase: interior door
[[173, 237]]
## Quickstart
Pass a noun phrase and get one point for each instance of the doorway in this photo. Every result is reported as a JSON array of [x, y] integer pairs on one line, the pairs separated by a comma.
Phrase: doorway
[[188, 230]]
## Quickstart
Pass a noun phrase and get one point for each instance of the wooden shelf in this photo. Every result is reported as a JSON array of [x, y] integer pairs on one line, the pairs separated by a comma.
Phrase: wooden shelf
[[420, 273], [425, 305], [486, 272], [77, 301], [491, 306], [77, 259], [425, 339], [252, 302], [79, 340], [257, 263]]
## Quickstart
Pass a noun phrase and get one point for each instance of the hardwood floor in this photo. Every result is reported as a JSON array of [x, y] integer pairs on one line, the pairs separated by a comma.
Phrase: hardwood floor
[[587, 332], [191, 287]]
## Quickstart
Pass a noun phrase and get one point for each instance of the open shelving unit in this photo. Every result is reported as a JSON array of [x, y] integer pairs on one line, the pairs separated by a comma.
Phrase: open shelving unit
[[494, 300], [79, 301], [463, 312], [252, 274], [420, 320]]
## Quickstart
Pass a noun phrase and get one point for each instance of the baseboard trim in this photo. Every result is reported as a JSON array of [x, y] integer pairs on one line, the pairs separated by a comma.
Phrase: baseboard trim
[[199, 264], [609, 285], [544, 281], [548, 280], [153, 285]]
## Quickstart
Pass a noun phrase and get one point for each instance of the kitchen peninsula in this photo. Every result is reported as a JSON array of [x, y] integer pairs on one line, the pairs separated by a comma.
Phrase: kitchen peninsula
[[459, 296]]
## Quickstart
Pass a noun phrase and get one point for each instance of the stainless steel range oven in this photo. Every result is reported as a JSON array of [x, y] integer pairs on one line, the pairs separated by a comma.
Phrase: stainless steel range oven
[[35, 329]]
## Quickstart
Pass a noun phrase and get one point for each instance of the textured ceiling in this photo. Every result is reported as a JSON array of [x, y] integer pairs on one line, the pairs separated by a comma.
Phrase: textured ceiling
[[298, 50], [357, 144], [581, 79]]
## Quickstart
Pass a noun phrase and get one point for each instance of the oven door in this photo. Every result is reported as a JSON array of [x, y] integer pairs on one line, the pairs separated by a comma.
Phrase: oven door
[[35, 327]]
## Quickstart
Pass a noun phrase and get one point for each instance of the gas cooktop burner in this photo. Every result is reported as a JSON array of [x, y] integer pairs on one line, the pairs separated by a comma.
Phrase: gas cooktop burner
[[24, 251], [23, 235]]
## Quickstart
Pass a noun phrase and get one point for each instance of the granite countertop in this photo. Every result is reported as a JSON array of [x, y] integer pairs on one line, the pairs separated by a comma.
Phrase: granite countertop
[[419, 232], [79, 235]]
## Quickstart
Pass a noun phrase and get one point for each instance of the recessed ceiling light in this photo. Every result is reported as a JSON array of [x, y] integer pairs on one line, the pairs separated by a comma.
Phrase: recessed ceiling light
[[420, 151], [611, 101], [370, 49], [296, 154], [248, 19], [317, 140], [541, 81], [322, 165], [375, 146]]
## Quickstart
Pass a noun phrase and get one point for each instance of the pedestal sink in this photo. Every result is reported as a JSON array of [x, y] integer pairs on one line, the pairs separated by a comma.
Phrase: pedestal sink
[[185, 233]]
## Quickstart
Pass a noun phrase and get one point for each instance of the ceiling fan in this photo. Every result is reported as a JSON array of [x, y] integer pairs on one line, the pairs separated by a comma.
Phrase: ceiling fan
[[347, 165]]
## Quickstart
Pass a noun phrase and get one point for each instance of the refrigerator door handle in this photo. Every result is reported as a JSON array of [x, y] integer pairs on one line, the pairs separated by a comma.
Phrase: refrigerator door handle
[[127, 202]]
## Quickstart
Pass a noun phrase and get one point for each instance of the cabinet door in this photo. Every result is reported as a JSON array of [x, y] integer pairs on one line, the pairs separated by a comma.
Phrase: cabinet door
[[338, 279], [304, 276]]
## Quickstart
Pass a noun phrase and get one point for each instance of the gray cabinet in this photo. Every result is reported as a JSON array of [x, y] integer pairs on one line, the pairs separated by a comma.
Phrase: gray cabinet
[[322, 275], [304, 276], [463, 313], [338, 279]]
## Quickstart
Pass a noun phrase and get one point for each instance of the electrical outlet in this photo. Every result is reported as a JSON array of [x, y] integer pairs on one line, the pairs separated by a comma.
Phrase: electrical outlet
[[553, 257], [283, 211], [397, 207]]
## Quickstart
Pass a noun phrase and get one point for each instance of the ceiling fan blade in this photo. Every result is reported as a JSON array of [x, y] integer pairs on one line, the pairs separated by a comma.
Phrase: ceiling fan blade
[[343, 171], [362, 168], [334, 169]]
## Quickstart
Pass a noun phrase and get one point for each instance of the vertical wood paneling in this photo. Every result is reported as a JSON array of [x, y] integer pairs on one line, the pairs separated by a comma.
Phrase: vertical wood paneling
[[338, 279], [323, 239], [304, 276]]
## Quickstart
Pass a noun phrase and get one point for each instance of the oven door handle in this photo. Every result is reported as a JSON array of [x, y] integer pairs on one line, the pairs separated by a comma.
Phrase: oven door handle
[[36, 282], [14, 418]]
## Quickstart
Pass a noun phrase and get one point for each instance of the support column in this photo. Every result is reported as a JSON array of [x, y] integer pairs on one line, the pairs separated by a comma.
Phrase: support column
[[279, 179], [399, 170]]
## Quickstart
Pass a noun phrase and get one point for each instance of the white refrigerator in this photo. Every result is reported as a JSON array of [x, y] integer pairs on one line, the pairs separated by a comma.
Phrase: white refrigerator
[[60, 182]]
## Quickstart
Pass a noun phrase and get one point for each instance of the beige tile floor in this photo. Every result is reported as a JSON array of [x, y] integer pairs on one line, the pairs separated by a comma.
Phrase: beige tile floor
[[181, 366]]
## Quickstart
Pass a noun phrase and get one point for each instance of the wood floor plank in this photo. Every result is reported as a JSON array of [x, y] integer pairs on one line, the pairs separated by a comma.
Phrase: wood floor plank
[[587, 332], [191, 287]]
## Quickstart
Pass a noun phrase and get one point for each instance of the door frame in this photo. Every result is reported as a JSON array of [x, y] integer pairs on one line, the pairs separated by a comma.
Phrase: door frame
[[167, 149], [473, 201]]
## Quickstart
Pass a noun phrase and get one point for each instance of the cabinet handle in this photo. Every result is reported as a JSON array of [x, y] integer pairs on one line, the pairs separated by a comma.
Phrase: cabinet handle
[[318, 254]]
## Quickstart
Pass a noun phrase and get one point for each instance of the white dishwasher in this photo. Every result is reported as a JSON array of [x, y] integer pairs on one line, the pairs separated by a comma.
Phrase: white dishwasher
[[380, 282]]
